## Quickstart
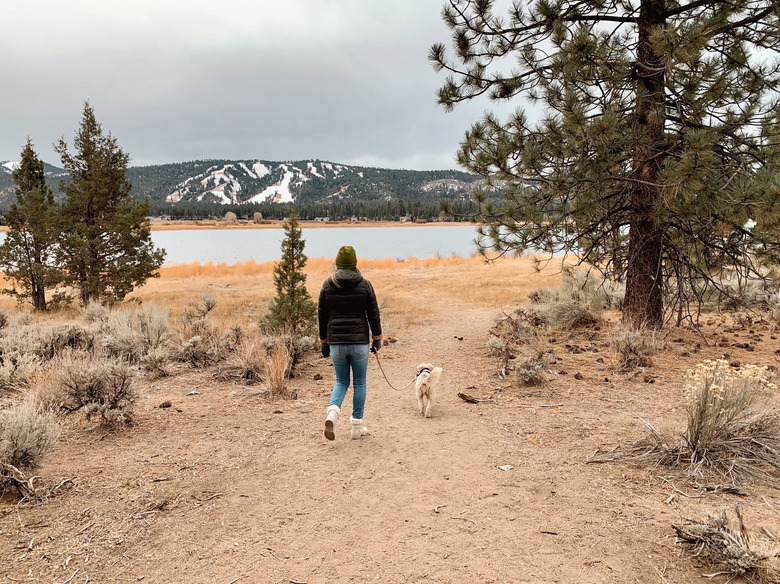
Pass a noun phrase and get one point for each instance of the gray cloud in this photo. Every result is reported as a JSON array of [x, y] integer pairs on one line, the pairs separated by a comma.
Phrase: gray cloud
[[340, 80]]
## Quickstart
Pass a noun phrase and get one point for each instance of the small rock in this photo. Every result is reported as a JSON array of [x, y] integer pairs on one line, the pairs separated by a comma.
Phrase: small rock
[[165, 404], [317, 377], [506, 467], [578, 375]]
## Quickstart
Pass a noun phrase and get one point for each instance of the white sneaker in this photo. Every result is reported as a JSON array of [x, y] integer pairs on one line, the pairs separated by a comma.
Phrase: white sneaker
[[358, 429], [331, 421]]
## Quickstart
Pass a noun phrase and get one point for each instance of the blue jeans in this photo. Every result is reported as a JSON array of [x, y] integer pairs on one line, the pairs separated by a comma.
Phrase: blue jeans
[[346, 358]]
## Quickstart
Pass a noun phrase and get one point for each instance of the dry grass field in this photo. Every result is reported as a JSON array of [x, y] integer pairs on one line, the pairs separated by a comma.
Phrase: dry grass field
[[216, 481]]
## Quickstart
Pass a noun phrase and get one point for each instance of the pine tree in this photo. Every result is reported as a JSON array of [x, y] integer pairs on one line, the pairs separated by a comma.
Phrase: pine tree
[[105, 245], [27, 254], [292, 310], [652, 151]]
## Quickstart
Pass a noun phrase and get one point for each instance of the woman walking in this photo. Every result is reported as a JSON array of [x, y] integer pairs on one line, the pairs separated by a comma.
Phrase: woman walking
[[348, 317]]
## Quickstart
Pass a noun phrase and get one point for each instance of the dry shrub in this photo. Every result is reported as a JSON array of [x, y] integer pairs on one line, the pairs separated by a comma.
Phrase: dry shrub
[[731, 434], [210, 347], [203, 344], [97, 385], [195, 313], [156, 361], [152, 322], [578, 302], [750, 295], [544, 295], [634, 348], [18, 370], [134, 335], [297, 347], [277, 363], [25, 349], [589, 288], [729, 429], [246, 359], [95, 313], [570, 315], [723, 547], [120, 337], [27, 432], [530, 373]]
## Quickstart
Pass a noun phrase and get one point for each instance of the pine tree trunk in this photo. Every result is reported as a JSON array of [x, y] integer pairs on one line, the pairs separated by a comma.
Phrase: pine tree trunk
[[39, 297], [644, 285]]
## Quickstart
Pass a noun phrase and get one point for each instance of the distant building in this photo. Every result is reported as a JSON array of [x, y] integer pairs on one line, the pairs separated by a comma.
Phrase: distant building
[[322, 219]]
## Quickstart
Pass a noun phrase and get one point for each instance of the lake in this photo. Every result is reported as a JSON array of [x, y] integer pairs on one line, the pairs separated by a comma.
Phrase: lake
[[263, 245]]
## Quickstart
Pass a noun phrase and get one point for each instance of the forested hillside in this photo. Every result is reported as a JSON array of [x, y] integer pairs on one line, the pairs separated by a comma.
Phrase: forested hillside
[[211, 188]]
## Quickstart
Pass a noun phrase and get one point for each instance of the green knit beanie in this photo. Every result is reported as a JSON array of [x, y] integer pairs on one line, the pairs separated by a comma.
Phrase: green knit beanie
[[346, 258]]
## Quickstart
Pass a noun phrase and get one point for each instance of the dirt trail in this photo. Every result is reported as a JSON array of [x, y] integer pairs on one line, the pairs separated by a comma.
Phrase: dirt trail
[[226, 486]]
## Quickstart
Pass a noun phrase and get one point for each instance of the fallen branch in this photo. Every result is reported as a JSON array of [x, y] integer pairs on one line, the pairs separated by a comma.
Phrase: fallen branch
[[18, 479], [475, 400]]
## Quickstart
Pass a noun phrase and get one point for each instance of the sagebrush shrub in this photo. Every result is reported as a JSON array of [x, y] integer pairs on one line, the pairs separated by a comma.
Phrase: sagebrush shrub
[[27, 433], [156, 361], [120, 337], [95, 312], [153, 324], [530, 373], [17, 370], [56, 339], [97, 385], [634, 348]]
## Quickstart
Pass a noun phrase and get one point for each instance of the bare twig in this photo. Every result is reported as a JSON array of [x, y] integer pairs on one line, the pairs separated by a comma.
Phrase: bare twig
[[69, 579], [469, 520]]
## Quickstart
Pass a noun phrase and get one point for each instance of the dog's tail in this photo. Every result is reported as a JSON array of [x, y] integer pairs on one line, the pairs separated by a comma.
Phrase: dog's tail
[[434, 375]]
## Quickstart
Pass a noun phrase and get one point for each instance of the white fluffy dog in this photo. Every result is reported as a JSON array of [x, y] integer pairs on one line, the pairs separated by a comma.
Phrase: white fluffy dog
[[425, 386]]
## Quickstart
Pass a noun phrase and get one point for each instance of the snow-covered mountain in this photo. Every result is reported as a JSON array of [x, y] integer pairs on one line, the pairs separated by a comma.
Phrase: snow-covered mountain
[[262, 181], [7, 167]]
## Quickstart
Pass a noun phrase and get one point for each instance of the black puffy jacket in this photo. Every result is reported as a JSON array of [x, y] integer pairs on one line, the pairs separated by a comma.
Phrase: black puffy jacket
[[347, 308]]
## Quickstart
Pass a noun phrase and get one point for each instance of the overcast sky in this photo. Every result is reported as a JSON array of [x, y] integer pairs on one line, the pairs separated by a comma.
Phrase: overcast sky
[[340, 80]]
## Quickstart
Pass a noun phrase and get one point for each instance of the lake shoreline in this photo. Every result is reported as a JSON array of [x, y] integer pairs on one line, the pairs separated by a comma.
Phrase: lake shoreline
[[278, 224]]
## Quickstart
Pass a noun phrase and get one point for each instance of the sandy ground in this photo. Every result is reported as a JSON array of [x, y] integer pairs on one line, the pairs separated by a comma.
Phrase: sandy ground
[[229, 486]]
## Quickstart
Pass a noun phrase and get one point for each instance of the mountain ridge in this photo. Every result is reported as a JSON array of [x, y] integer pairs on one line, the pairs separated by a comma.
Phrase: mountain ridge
[[247, 181]]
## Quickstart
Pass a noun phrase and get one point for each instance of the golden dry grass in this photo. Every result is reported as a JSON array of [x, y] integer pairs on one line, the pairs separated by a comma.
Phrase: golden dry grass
[[244, 290]]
